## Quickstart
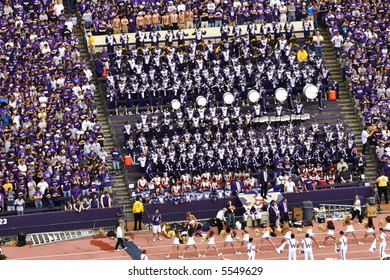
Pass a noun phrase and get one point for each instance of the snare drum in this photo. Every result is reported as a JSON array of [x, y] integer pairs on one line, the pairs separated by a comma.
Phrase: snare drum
[[310, 91], [281, 94], [175, 104], [201, 101], [253, 96], [228, 98]]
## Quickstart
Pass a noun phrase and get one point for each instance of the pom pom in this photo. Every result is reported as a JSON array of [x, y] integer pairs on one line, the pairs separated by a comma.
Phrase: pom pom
[[279, 229], [320, 227], [365, 224], [257, 232], [239, 239], [381, 223], [171, 234], [203, 239], [247, 229], [299, 230], [222, 233]]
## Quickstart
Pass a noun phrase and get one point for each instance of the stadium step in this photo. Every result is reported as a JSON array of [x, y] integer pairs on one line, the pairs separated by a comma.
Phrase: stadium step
[[120, 184], [349, 108], [50, 237]]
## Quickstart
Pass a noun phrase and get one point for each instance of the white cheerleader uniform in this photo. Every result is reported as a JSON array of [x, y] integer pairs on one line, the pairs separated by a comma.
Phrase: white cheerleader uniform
[[266, 235], [245, 239], [176, 242], [310, 232], [330, 232], [191, 241], [387, 227], [370, 230], [229, 238], [350, 229], [211, 242]]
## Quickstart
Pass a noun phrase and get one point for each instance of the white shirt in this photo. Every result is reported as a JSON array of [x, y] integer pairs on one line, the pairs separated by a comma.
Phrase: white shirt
[[343, 242], [290, 187], [307, 244], [382, 239], [365, 136], [42, 186], [119, 232], [221, 215], [144, 257]]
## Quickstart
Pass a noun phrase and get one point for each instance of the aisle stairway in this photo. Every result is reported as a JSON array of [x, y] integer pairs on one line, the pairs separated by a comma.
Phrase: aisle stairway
[[120, 185], [347, 104]]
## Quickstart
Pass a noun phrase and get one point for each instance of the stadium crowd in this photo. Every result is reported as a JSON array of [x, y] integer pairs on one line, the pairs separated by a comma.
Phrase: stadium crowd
[[219, 139], [361, 38], [51, 143]]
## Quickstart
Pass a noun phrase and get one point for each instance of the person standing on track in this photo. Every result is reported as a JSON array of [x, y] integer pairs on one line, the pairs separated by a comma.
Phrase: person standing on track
[[292, 248], [138, 209], [350, 229], [330, 232], [221, 219], [156, 221], [251, 249], [211, 243], [382, 243], [119, 238], [177, 240], [342, 242], [307, 244], [190, 243]]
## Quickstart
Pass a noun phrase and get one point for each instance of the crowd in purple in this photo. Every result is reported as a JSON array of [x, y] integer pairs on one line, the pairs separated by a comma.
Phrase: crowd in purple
[[365, 30], [51, 144]]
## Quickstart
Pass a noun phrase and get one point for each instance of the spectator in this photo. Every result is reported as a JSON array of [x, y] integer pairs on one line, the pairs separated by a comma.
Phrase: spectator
[[341, 165], [138, 209], [38, 196], [156, 221], [345, 175], [382, 182], [116, 158], [105, 200], [318, 42], [19, 204]]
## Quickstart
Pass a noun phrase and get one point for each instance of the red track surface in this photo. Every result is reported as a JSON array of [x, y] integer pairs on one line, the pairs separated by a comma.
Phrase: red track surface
[[102, 248]]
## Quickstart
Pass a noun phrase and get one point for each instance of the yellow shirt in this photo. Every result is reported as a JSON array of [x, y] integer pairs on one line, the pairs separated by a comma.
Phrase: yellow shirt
[[91, 41], [138, 207], [6, 186], [302, 55], [382, 181]]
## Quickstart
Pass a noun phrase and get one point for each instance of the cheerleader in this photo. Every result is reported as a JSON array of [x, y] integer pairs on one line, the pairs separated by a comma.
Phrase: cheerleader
[[211, 243], [370, 229], [350, 229], [286, 231], [176, 244], [229, 240], [266, 236], [309, 230], [330, 232], [245, 237], [191, 243]]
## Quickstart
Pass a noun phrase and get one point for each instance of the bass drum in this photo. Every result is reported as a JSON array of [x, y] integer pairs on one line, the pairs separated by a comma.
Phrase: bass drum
[[253, 96], [228, 98], [281, 94], [175, 104], [201, 101], [310, 91]]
